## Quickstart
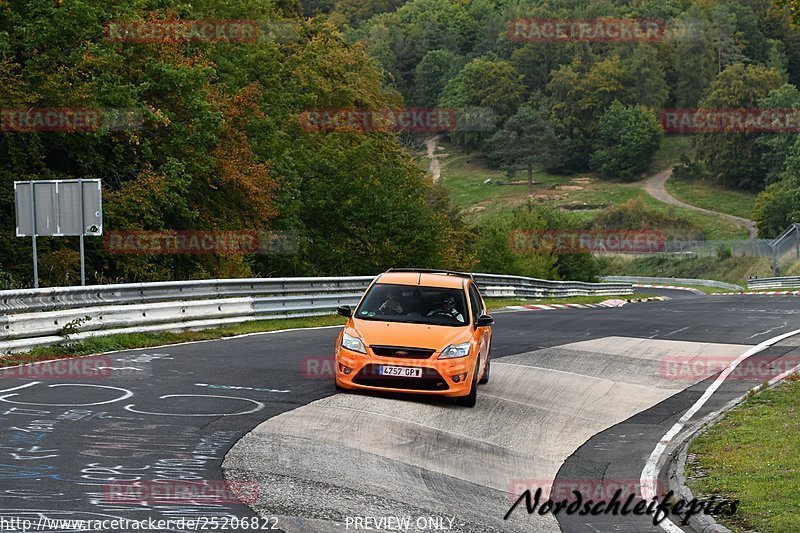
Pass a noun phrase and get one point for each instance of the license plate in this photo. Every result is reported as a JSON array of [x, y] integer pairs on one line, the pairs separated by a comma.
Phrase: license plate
[[400, 371]]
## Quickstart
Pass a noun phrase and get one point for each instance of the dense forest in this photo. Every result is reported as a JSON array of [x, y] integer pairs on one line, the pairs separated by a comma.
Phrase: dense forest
[[220, 146]]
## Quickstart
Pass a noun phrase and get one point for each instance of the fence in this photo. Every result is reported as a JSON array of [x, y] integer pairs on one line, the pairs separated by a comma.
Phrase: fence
[[774, 283], [674, 281], [784, 251], [40, 317]]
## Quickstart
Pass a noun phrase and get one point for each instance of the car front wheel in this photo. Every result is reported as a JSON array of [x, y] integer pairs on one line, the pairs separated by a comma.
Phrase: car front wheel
[[485, 377], [472, 398]]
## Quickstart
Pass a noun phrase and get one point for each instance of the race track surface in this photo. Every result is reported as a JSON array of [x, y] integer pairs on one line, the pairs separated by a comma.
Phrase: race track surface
[[574, 395]]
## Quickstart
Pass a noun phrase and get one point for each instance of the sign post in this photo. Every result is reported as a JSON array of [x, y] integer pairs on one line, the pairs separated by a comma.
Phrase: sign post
[[33, 235], [63, 208]]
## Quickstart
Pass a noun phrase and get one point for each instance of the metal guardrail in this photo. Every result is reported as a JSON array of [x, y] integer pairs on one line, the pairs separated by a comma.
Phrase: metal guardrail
[[499, 286], [674, 281], [40, 317], [774, 283]]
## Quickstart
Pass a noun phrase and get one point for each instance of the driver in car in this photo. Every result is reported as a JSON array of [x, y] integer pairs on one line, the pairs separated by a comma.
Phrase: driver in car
[[392, 305], [448, 308]]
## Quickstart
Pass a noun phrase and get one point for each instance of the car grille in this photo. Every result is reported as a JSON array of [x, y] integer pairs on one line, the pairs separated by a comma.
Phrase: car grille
[[405, 353], [430, 380]]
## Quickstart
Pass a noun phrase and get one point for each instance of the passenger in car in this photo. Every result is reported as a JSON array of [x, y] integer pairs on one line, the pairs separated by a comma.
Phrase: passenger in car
[[392, 305]]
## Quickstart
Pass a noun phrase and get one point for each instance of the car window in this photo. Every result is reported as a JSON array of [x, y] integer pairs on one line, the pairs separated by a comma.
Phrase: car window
[[475, 301], [414, 304]]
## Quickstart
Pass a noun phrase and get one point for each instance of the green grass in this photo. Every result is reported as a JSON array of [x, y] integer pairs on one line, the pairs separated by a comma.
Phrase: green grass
[[713, 197], [753, 455], [499, 303], [130, 341], [584, 195], [732, 270]]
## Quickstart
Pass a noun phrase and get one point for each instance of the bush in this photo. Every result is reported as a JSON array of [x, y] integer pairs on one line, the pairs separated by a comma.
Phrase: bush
[[626, 139], [634, 215], [688, 170], [500, 250], [6, 280]]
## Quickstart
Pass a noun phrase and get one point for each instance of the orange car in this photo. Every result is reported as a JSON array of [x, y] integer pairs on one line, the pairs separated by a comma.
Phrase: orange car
[[417, 331]]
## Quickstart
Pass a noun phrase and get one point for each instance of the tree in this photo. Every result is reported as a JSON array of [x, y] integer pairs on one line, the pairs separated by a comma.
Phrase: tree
[[732, 158], [219, 146], [625, 141], [483, 83], [727, 39], [694, 63], [537, 60], [646, 78], [580, 93], [774, 148], [778, 205], [432, 74], [526, 140], [793, 7], [350, 12]]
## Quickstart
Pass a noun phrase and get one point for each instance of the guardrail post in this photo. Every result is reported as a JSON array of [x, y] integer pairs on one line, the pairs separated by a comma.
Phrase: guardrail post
[[775, 261]]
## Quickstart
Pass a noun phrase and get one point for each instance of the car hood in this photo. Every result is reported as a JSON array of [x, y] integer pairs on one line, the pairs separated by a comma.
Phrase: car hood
[[378, 333]]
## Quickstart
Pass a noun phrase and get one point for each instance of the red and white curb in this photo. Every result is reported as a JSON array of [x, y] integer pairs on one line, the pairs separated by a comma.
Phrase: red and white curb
[[770, 293], [672, 287], [605, 304], [697, 291]]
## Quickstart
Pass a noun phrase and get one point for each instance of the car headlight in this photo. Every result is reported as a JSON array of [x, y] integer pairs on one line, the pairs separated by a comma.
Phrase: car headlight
[[455, 350], [353, 343]]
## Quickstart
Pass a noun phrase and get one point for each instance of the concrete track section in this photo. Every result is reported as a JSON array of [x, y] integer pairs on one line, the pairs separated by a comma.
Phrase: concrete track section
[[355, 456]]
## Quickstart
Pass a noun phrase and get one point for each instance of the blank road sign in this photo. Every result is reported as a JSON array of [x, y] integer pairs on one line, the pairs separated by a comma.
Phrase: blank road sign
[[57, 208]]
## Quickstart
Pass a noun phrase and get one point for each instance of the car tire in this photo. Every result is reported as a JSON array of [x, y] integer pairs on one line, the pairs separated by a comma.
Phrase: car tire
[[485, 377], [472, 398]]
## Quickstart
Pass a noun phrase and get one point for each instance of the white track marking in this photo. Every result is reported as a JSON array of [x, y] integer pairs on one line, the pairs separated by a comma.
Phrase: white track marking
[[649, 476], [32, 383], [259, 406], [126, 394]]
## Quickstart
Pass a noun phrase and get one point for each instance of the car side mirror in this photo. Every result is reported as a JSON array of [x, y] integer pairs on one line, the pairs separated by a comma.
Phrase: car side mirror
[[345, 310], [484, 320]]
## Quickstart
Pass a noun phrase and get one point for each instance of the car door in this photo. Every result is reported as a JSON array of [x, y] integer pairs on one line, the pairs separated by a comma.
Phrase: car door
[[481, 333]]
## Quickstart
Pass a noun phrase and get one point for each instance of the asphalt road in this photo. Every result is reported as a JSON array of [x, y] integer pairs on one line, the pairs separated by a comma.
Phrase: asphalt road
[[574, 394]]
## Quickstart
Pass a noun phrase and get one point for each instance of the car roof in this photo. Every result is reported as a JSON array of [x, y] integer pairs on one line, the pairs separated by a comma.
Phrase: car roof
[[441, 281]]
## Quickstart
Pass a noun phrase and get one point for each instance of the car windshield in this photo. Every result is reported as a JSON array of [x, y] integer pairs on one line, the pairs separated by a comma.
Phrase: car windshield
[[414, 304]]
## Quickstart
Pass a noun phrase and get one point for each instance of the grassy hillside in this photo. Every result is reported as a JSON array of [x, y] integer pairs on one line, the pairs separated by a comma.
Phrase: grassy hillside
[[711, 196], [731, 270], [583, 195]]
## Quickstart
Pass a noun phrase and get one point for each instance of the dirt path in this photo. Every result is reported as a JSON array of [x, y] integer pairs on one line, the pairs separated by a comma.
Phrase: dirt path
[[656, 187], [435, 166]]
